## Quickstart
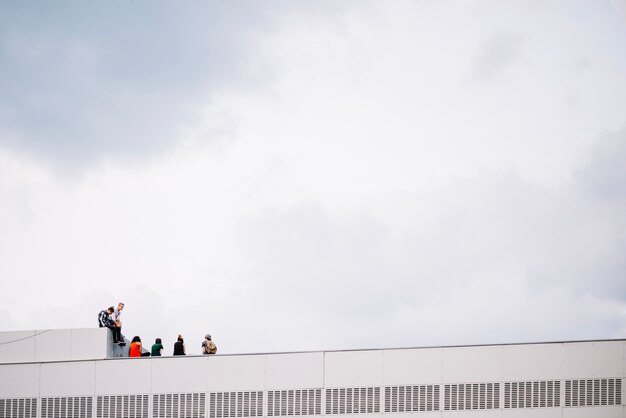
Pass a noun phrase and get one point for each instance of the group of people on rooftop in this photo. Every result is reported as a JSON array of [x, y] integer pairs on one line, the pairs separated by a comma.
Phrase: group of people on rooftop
[[208, 347], [110, 318]]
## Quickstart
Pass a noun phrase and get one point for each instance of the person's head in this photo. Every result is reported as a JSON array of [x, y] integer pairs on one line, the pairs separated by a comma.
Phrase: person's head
[[180, 338], [157, 341], [208, 337], [120, 306], [110, 310], [136, 339]]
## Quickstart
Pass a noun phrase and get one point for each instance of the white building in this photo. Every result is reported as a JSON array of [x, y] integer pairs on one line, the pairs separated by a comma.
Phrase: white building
[[74, 374]]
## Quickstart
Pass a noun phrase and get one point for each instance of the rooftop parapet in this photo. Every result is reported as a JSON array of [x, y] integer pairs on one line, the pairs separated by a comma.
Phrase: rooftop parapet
[[51, 345]]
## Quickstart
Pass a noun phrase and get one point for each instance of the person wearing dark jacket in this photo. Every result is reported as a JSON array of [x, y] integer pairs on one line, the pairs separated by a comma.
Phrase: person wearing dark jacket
[[179, 346]]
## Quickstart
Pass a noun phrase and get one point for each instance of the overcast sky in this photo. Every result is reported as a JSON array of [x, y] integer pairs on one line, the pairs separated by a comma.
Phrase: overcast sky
[[315, 175]]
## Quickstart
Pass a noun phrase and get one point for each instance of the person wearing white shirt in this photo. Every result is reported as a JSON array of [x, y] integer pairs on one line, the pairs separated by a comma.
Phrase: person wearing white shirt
[[117, 313]]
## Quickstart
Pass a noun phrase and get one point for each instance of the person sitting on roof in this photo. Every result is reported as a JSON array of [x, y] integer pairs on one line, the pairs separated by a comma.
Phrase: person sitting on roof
[[105, 320], [135, 347], [208, 346], [157, 348], [179, 347]]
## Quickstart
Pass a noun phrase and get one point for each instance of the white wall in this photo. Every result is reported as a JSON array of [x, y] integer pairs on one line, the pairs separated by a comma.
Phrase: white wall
[[45, 377], [53, 345]]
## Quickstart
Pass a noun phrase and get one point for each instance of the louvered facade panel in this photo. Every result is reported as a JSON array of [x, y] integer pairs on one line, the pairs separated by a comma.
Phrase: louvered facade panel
[[295, 402], [420, 398], [236, 404], [471, 396], [18, 408], [534, 394], [179, 405], [364, 400], [67, 407], [593, 392], [122, 406]]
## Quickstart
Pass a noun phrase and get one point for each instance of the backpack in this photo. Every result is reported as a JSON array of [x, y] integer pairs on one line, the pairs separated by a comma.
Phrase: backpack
[[209, 347]]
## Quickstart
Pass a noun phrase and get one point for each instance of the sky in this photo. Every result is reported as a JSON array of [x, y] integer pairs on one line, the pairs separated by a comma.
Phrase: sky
[[295, 176]]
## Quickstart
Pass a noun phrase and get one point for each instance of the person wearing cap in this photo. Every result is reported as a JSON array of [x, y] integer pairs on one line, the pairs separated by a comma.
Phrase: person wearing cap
[[208, 346]]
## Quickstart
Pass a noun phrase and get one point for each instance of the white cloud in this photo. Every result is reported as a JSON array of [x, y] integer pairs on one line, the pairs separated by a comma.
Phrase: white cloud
[[620, 6], [369, 193]]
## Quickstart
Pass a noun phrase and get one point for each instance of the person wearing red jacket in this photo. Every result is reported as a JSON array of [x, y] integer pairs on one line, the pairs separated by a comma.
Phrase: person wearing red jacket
[[135, 347]]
